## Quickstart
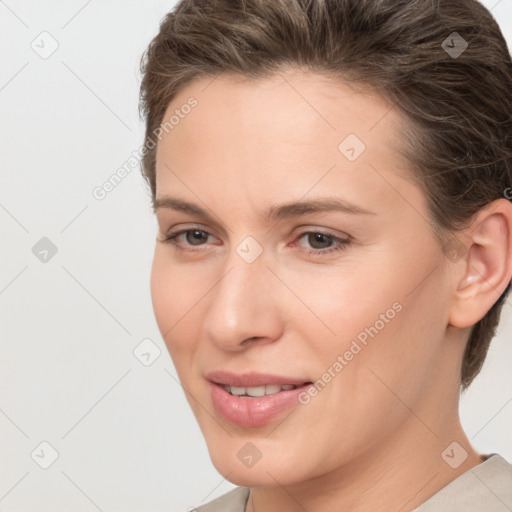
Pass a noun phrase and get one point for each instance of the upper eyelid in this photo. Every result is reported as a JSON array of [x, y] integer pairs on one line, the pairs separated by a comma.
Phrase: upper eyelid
[[198, 227], [184, 231], [181, 231]]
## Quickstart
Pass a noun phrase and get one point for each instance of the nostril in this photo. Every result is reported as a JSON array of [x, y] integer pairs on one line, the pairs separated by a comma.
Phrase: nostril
[[252, 340]]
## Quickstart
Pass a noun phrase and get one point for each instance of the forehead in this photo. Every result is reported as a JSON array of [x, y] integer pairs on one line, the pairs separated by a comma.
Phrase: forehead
[[299, 103], [282, 132]]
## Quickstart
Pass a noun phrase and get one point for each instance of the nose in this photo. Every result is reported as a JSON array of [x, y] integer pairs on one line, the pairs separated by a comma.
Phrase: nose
[[245, 307]]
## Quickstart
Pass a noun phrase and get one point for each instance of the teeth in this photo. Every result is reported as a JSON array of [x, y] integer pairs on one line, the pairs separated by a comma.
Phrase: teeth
[[270, 389], [257, 391], [237, 391]]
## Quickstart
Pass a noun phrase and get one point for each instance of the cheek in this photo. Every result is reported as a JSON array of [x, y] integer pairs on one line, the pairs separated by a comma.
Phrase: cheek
[[163, 304], [373, 316], [338, 303], [397, 358], [173, 295]]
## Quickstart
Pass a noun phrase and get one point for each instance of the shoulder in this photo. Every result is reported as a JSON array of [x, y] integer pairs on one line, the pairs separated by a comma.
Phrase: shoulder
[[487, 486], [233, 501]]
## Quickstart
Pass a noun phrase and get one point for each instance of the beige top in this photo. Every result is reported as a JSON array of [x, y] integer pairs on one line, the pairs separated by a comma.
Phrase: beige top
[[486, 487]]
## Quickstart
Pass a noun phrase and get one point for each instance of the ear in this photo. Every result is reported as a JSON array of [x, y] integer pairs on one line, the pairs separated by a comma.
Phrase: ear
[[485, 269]]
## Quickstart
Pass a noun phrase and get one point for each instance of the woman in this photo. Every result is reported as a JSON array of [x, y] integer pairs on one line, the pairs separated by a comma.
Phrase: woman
[[334, 243]]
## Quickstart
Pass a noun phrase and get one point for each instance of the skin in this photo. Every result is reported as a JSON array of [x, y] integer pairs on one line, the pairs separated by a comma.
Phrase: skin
[[372, 439]]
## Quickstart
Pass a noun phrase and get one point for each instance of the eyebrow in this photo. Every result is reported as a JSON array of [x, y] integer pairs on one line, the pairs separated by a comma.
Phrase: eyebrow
[[277, 212]]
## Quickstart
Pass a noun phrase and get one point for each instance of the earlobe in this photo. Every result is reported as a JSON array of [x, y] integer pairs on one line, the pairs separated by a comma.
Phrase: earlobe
[[486, 267]]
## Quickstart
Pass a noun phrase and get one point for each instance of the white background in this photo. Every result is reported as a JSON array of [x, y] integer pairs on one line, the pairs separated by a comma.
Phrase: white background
[[125, 436]]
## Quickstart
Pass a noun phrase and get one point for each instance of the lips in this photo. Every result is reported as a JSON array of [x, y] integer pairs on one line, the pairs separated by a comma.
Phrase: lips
[[252, 379], [253, 399]]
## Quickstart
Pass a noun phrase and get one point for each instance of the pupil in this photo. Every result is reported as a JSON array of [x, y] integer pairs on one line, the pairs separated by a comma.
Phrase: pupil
[[314, 238], [197, 236]]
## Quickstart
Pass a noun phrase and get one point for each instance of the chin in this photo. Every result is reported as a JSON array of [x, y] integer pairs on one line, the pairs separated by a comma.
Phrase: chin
[[265, 472], [248, 479], [257, 476]]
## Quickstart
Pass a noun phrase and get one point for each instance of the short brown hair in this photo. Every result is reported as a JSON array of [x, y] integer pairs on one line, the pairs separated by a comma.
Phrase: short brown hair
[[458, 106]]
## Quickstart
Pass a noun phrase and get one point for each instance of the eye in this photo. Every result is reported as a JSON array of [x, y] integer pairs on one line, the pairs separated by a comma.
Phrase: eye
[[191, 237], [322, 243], [195, 236]]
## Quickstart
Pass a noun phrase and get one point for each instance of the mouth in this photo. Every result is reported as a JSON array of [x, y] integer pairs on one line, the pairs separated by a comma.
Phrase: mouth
[[251, 400], [257, 391]]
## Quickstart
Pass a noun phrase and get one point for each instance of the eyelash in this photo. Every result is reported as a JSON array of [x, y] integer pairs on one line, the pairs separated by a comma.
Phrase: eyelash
[[342, 243]]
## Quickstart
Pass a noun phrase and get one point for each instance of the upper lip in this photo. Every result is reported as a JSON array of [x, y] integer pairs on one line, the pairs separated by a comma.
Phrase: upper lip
[[251, 379]]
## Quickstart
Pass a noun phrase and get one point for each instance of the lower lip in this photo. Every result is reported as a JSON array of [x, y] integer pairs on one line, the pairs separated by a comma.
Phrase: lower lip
[[253, 411]]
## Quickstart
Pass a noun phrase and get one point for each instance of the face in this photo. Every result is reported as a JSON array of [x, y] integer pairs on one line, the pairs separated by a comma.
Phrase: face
[[296, 281]]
